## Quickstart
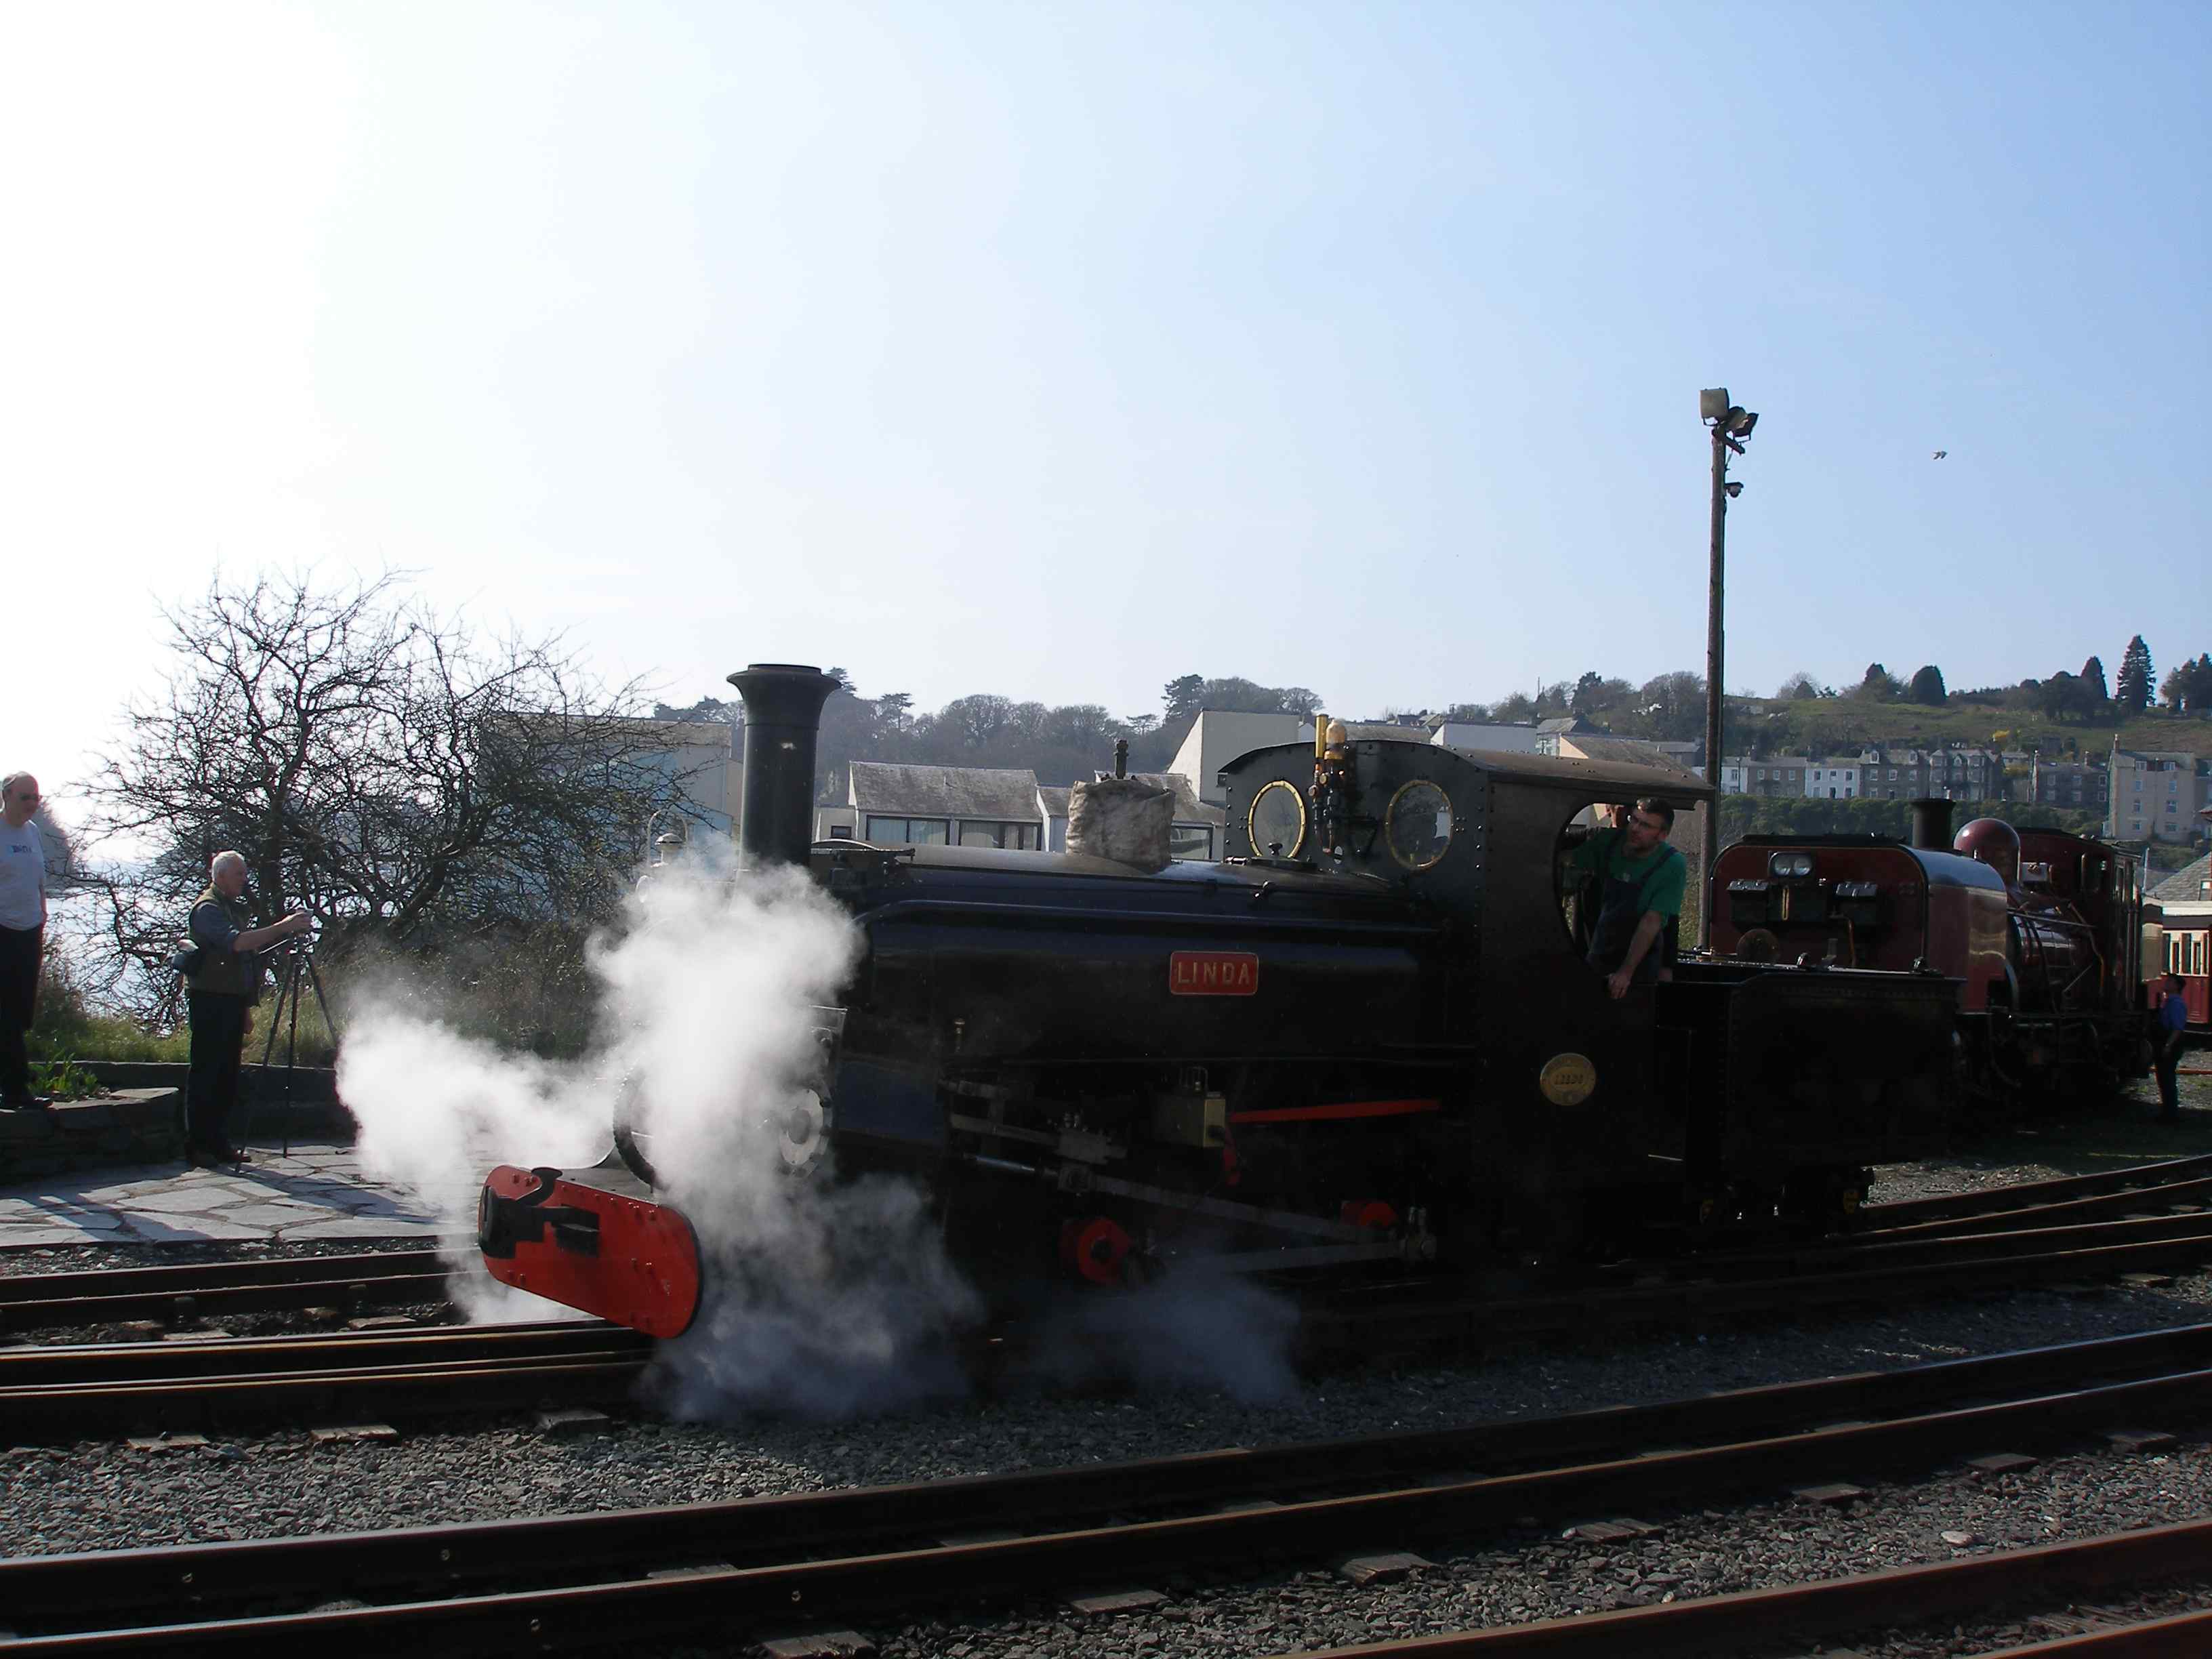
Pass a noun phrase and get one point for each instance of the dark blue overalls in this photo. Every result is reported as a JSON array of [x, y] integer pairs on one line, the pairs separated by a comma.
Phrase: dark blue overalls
[[1620, 907]]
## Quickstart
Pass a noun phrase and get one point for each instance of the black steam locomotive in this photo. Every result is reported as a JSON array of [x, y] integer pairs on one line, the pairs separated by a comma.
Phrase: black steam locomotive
[[1367, 1034]]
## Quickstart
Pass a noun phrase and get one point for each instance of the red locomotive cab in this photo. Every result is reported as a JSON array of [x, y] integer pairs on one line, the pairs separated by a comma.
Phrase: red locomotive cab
[[1993, 842], [1857, 902]]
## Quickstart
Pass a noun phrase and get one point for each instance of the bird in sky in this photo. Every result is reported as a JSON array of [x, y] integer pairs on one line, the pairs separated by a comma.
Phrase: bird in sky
[[1941, 453]]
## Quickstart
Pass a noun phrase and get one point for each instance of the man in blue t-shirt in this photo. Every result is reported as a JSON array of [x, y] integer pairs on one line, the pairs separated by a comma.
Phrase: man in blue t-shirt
[[1640, 882], [2172, 1026]]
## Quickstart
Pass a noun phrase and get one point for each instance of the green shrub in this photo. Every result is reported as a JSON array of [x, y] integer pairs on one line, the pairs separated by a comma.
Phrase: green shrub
[[64, 1079], [108, 1036]]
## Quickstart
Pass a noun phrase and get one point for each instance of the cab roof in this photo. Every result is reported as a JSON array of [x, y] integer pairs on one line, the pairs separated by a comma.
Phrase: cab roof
[[1625, 777]]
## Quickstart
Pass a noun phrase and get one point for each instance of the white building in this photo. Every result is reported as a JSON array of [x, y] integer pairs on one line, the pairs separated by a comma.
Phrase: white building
[[1497, 739], [1219, 736], [1776, 774], [1833, 779], [2156, 795]]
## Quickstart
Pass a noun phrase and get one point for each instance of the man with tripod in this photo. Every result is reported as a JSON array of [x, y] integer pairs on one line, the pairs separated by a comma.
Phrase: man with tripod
[[220, 990]]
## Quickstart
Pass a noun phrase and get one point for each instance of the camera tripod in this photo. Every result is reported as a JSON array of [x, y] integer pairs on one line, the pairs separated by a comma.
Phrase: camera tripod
[[298, 965]]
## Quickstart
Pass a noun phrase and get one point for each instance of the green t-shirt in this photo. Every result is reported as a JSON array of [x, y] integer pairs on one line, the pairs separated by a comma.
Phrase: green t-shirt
[[1606, 854]]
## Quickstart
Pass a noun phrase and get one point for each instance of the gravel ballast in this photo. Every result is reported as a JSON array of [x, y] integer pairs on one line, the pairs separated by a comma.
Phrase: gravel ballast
[[102, 1495]]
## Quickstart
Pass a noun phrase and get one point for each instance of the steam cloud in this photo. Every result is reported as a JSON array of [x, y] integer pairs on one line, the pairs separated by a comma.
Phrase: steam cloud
[[825, 1298]]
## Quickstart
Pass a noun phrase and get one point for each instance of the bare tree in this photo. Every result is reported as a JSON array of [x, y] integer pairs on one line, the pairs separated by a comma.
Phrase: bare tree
[[383, 765]]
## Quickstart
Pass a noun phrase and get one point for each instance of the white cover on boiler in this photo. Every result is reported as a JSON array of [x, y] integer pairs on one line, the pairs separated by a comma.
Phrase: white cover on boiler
[[1124, 819]]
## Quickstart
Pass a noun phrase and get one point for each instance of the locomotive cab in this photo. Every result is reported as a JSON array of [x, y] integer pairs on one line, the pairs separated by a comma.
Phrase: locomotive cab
[[1569, 1123]]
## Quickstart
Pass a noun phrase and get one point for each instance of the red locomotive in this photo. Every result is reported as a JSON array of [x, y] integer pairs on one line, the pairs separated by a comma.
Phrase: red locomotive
[[2044, 930]]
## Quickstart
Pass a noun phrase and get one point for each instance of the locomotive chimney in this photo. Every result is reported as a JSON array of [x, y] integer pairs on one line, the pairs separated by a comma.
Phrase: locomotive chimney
[[783, 717], [1931, 825]]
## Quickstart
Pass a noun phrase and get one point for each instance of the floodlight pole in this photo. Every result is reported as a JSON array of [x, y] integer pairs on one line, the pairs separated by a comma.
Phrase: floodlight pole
[[1715, 698]]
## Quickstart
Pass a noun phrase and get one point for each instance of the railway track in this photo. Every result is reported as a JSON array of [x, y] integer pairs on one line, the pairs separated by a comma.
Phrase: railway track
[[193, 1290], [183, 1294], [76, 1392], [2035, 1576], [1877, 1274], [761, 1566], [67, 1393], [2168, 1180]]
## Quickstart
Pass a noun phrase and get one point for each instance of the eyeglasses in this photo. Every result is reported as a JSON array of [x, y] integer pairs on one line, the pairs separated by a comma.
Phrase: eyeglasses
[[1652, 824]]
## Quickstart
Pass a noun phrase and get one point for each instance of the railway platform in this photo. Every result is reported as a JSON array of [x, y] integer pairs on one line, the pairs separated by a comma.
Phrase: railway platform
[[316, 1191]]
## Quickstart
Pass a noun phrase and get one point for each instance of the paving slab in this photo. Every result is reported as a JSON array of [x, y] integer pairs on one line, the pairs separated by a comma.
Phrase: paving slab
[[357, 1227], [277, 1215], [318, 1192]]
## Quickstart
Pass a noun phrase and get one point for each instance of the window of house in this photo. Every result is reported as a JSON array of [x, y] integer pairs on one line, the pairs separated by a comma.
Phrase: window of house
[[1192, 841], [912, 832], [1015, 837]]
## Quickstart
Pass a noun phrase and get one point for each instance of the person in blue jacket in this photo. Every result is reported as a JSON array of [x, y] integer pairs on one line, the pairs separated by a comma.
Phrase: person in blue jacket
[[2173, 1024]]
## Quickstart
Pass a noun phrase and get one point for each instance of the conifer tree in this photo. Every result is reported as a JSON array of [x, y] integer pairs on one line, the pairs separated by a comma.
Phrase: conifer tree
[[2133, 691]]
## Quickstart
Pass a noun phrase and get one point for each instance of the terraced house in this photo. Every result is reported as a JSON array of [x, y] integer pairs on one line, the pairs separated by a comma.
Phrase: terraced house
[[2157, 794]]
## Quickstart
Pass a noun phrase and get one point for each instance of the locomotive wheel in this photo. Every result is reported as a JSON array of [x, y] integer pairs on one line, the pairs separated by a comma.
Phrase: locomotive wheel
[[632, 1140], [804, 1133], [1095, 1247]]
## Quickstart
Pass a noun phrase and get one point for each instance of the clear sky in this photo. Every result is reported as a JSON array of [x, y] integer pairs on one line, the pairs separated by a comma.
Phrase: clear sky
[[1061, 349]]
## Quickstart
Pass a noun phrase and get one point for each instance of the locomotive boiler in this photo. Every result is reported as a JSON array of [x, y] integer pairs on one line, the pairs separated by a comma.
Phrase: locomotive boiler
[[1368, 1034]]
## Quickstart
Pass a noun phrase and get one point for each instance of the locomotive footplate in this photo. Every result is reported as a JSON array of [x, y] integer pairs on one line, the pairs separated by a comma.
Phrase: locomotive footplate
[[592, 1239]]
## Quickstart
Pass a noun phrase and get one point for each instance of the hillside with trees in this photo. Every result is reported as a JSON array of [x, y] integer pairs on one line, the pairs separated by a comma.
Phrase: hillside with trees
[[2072, 713]]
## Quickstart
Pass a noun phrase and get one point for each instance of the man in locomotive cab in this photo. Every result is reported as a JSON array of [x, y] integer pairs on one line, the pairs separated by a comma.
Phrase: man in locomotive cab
[[1640, 881]]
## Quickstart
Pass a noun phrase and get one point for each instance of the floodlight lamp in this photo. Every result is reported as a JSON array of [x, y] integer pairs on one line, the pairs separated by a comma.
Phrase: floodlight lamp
[[1713, 404], [1733, 488], [1741, 421]]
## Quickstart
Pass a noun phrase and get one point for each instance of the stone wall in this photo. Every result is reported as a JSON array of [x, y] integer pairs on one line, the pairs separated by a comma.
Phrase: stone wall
[[133, 1125]]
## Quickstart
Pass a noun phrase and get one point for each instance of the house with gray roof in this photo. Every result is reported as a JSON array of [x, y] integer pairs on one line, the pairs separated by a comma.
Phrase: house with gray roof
[[1628, 751], [2189, 888], [1196, 834], [1055, 798], [2186, 897], [892, 803]]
